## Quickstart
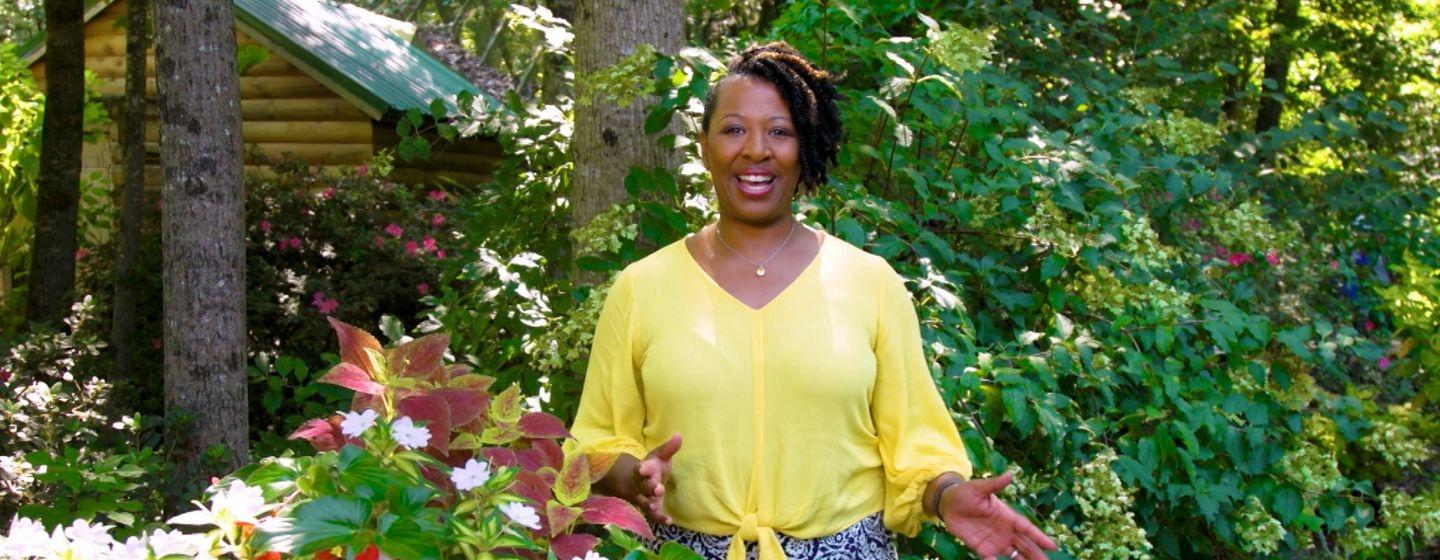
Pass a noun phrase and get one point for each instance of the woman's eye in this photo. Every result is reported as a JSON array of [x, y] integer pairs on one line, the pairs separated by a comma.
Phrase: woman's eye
[[780, 132], [732, 130]]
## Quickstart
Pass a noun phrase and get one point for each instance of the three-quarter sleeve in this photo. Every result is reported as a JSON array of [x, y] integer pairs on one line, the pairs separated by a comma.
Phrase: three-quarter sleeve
[[918, 439], [612, 411]]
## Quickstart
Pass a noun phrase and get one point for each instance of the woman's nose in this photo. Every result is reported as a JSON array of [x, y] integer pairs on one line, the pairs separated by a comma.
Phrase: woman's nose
[[757, 147]]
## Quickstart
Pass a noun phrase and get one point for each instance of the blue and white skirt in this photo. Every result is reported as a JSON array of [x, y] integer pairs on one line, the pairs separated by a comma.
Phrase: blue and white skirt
[[867, 539]]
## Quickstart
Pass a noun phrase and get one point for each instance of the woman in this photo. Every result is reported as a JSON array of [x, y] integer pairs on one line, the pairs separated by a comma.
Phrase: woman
[[790, 361]]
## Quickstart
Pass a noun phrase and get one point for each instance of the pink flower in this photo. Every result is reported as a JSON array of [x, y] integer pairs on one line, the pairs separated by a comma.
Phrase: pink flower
[[411, 248], [1237, 259], [265, 226], [1384, 362], [328, 193], [1194, 224], [4, 375], [294, 243], [80, 254], [437, 219], [423, 288], [437, 195], [394, 230], [430, 244], [326, 306], [1334, 265], [362, 170], [157, 343], [379, 241], [1369, 326], [440, 254], [1272, 257]]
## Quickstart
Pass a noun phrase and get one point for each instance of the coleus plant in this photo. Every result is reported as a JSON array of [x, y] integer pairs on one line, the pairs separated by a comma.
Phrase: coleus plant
[[430, 464]]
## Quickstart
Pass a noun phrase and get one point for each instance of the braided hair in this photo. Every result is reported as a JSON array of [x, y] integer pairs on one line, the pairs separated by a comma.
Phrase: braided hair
[[810, 94]]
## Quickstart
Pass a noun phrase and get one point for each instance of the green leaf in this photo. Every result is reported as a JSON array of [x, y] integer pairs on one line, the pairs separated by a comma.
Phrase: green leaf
[[437, 110], [326, 522], [850, 231], [1052, 266], [672, 550]]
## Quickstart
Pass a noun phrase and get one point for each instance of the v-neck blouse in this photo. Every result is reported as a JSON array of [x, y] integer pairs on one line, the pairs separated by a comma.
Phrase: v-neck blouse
[[803, 416]]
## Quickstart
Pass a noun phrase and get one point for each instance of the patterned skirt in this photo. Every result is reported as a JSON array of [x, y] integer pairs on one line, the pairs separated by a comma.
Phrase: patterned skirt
[[867, 539]]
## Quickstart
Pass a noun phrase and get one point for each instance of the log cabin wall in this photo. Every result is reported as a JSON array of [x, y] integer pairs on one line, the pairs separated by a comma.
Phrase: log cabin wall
[[465, 162], [284, 111]]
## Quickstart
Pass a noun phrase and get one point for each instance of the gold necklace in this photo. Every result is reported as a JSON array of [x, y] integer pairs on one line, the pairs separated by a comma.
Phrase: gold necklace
[[759, 267]]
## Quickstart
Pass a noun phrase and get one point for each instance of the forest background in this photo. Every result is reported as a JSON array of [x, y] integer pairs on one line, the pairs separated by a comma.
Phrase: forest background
[[1175, 262]]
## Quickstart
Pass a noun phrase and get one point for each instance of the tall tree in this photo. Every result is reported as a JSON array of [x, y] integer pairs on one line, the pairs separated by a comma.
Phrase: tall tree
[[1277, 64], [203, 228], [52, 270], [132, 141], [609, 138]]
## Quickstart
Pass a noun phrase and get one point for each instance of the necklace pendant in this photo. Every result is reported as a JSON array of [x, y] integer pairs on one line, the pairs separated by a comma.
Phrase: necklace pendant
[[759, 271]]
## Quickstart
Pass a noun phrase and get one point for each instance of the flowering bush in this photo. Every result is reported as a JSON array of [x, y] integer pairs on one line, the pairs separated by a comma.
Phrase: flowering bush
[[427, 465]]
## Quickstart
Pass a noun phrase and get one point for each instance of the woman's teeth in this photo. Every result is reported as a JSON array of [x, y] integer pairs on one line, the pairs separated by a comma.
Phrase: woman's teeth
[[756, 178]]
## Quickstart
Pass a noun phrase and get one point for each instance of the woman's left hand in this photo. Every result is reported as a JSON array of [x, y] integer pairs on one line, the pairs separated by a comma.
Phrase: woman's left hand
[[973, 513]]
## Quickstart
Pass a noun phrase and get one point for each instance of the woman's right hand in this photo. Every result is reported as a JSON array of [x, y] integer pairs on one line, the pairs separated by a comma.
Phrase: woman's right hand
[[649, 478], [642, 481]]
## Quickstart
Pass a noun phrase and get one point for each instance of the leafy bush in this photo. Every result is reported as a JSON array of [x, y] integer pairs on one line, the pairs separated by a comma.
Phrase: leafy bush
[[68, 454], [428, 465]]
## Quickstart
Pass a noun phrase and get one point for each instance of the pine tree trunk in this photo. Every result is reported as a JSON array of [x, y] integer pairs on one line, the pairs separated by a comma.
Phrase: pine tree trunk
[[609, 139], [132, 141], [204, 235], [52, 270]]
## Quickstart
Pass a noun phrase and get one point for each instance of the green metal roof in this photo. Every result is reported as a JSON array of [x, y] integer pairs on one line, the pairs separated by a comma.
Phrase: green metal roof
[[365, 57]]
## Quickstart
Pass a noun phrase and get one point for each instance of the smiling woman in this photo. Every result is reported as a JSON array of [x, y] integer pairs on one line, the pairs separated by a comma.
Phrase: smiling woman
[[788, 360]]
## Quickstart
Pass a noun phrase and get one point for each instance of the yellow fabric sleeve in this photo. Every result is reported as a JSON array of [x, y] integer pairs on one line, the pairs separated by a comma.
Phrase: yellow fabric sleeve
[[918, 439], [612, 413]]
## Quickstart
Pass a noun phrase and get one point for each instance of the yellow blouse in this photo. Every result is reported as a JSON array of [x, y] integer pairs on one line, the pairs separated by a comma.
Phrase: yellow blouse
[[802, 417]]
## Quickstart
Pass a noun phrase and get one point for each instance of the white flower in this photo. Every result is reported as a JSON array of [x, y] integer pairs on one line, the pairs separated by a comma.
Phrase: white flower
[[408, 435], [82, 540], [134, 548], [236, 504], [27, 538], [521, 514], [591, 555], [473, 474], [166, 543], [355, 423]]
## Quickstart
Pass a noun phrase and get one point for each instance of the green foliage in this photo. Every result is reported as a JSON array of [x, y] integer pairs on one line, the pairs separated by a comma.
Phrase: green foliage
[[69, 454], [19, 165]]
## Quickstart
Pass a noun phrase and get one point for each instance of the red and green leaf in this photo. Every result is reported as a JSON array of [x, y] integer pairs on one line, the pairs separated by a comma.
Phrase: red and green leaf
[[505, 408], [605, 510], [573, 546], [542, 425], [353, 342], [324, 434], [561, 517], [351, 376], [554, 457], [465, 404], [573, 484], [420, 358]]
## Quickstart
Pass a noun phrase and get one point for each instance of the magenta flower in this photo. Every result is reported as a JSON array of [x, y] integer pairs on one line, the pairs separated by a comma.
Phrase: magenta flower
[[440, 254], [1369, 326], [437, 219], [328, 193], [1384, 362], [4, 375], [265, 226], [1334, 265], [1239, 258], [362, 170], [1272, 257], [80, 254], [411, 248], [394, 230], [423, 288], [294, 243], [325, 305], [157, 343], [430, 244], [437, 195]]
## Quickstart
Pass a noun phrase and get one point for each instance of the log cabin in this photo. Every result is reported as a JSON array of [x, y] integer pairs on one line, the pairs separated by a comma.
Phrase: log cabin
[[321, 81]]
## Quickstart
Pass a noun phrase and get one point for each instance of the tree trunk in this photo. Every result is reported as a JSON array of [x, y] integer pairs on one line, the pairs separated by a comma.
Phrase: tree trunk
[[1277, 64], [52, 270], [204, 235], [609, 139], [132, 141]]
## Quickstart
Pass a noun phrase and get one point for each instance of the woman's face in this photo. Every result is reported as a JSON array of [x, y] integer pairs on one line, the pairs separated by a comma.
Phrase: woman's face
[[752, 151]]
